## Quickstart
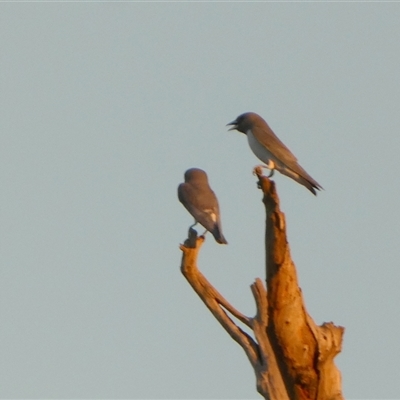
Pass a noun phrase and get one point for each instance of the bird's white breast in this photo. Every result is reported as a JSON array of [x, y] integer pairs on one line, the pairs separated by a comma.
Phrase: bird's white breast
[[258, 149]]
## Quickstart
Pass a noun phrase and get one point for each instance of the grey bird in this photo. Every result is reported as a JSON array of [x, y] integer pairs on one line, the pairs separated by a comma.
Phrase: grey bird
[[199, 199], [269, 149]]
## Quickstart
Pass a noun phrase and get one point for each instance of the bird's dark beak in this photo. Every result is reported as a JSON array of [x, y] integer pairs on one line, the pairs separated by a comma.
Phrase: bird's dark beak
[[234, 125]]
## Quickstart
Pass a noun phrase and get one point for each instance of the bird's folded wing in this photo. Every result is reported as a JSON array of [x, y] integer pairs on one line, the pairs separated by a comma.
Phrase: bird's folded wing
[[202, 206], [265, 135]]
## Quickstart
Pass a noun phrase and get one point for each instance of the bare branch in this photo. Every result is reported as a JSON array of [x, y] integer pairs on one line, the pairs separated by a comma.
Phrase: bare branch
[[259, 352], [212, 299], [304, 350], [291, 356], [269, 379]]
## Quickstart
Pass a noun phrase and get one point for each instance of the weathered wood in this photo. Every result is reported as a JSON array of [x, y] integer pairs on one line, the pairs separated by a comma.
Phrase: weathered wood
[[305, 351], [291, 356], [269, 379]]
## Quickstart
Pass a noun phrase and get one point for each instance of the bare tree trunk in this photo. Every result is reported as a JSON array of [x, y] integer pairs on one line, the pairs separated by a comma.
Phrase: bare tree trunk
[[291, 356]]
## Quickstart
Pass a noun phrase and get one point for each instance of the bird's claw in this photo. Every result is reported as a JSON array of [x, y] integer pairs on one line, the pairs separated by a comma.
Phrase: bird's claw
[[258, 169]]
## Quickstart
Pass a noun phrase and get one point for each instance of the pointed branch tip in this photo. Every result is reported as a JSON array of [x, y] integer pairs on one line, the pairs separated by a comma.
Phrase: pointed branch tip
[[264, 183]]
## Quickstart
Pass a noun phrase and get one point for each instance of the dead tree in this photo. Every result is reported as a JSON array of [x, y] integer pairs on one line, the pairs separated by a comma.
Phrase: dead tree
[[291, 356]]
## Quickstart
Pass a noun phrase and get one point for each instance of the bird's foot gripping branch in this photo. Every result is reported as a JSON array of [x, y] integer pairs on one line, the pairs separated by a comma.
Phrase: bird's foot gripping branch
[[291, 356]]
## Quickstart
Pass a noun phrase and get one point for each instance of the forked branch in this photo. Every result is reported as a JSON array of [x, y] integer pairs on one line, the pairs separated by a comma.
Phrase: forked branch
[[258, 350], [291, 356]]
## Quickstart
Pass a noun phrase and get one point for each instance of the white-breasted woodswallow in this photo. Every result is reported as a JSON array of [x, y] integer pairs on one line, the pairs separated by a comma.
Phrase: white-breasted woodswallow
[[198, 198], [270, 150]]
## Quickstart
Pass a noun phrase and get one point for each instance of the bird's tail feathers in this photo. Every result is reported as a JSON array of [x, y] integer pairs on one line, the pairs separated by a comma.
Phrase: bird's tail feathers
[[218, 236], [305, 180], [309, 185]]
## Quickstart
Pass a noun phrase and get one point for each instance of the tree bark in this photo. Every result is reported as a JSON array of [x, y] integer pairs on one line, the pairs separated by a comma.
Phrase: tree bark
[[291, 356]]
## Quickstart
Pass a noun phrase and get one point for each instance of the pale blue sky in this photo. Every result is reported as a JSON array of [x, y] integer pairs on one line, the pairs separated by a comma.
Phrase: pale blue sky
[[103, 108]]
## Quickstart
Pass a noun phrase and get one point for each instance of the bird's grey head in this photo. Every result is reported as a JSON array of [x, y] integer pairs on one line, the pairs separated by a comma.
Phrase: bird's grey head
[[195, 174], [244, 122]]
